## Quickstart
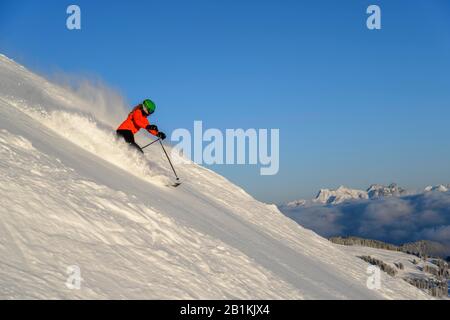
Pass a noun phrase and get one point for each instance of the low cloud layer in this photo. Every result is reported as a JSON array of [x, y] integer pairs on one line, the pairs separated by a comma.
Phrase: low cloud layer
[[395, 220]]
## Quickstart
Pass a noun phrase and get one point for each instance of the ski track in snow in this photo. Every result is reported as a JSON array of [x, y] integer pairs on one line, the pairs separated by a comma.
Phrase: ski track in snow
[[73, 195]]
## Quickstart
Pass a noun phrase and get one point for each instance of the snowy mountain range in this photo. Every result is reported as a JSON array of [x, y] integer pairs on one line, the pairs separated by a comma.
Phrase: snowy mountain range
[[73, 197], [439, 188], [375, 191], [339, 195]]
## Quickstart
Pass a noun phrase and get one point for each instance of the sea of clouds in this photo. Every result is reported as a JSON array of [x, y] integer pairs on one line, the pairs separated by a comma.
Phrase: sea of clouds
[[396, 220]]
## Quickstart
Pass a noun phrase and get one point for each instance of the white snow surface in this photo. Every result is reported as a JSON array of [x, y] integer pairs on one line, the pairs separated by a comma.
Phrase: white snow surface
[[72, 195]]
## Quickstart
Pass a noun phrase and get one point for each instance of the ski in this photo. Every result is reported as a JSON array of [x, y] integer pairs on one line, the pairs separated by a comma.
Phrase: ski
[[177, 183], [173, 185]]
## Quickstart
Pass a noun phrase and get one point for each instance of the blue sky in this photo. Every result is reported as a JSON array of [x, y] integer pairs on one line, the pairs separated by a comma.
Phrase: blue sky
[[353, 106]]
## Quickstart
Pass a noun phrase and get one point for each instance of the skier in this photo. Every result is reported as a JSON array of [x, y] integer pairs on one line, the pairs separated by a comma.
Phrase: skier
[[137, 119]]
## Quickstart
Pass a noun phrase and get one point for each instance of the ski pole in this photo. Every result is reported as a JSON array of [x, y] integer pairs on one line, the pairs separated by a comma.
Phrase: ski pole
[[150, 144], [173, 169]]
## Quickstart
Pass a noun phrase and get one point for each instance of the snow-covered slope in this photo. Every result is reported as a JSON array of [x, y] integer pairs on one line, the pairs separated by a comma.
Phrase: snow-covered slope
[[72, 195], [412, 267]]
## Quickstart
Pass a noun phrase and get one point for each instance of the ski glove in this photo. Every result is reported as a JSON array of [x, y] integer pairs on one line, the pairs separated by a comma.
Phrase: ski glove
[[161, 135], [152, 127]]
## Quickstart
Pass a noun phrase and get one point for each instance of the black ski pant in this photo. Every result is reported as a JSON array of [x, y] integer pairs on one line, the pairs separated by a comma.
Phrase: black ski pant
[[128, 136]]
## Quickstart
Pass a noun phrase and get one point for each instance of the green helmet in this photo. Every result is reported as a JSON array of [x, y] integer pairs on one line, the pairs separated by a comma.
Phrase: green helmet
[[149, 105]]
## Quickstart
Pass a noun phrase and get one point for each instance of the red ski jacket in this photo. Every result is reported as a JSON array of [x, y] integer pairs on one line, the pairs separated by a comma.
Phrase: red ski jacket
[[136, 120]]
